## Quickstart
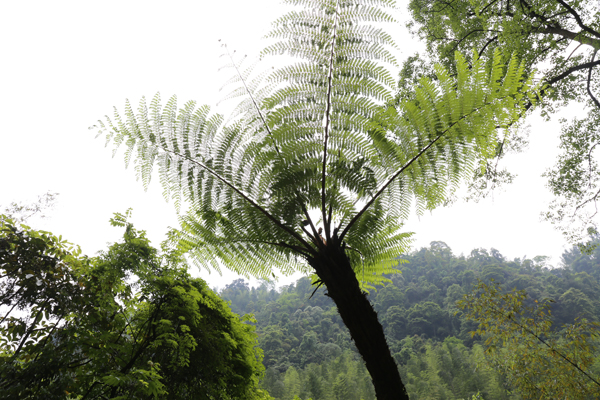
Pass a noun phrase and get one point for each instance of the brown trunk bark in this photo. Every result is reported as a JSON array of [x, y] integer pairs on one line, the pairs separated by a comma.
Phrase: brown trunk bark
[[334, 269]]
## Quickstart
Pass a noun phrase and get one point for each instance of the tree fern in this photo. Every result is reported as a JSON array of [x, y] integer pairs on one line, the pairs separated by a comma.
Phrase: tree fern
[[318, 168]]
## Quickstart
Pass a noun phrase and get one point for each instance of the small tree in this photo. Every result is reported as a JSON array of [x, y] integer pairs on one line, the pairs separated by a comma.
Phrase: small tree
[[317, 169], [538, 362], [126, 324]]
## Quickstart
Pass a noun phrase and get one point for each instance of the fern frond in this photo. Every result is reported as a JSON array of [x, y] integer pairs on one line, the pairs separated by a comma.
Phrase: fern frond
[[320, 135], [452, 125]]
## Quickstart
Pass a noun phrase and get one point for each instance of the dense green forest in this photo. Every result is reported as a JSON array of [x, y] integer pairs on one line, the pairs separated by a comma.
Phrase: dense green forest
[[316, 170], [305, 349], [308, 351]]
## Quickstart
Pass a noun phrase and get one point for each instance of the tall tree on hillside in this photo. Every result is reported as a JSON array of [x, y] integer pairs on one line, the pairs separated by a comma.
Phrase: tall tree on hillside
[[561, 38], [316, 169]]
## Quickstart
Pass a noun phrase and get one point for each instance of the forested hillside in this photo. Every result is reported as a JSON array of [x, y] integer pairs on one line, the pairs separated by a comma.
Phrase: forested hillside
[[308, 351]]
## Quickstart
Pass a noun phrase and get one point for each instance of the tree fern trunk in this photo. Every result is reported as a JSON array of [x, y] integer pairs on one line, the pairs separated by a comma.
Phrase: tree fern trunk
[[335, 271]]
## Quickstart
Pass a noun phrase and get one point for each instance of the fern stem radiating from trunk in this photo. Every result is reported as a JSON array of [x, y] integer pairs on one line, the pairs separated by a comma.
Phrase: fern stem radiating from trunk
[[327, 126]]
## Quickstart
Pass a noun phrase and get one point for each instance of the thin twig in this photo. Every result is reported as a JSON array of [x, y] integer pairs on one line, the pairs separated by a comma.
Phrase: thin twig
[[262, 118]]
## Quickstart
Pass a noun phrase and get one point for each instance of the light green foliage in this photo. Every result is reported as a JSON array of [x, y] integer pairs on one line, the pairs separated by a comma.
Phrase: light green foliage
[[436, 370], [431, 385], [559, 38], [129, 323], [450, 370], [538, 362], [329, 140], [291, 383], [340, 378]]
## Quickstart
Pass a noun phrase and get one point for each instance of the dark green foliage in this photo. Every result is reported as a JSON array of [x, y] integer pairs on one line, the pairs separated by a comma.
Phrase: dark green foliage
[[432, 345], [427, 318], [295, 330], [128, 323]]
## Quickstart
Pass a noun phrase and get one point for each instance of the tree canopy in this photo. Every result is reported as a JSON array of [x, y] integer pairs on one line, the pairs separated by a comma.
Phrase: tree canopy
[[129, 323]]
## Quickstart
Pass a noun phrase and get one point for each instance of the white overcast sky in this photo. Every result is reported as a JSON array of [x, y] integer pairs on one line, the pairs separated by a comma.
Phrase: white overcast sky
[[65, 64]]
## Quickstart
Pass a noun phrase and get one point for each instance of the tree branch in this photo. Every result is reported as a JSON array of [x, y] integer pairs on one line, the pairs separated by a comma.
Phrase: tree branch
[[578, 37], [29, 332], [550, 82], [569, 71], [489, 5], [589, 90], [552, 27], [486, 45], [43, 343], [578, 19], [458, 42], [12, 308]]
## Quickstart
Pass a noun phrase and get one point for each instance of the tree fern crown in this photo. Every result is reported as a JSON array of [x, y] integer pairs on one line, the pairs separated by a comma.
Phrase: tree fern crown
[[318, 154]]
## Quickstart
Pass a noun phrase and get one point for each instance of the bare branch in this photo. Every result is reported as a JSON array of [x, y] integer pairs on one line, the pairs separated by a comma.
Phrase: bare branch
[[578, 19], [589, 90]]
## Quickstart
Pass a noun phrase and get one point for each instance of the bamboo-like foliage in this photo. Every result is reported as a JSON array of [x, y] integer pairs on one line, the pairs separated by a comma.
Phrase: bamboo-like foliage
[[520, 342], [321, 137]]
